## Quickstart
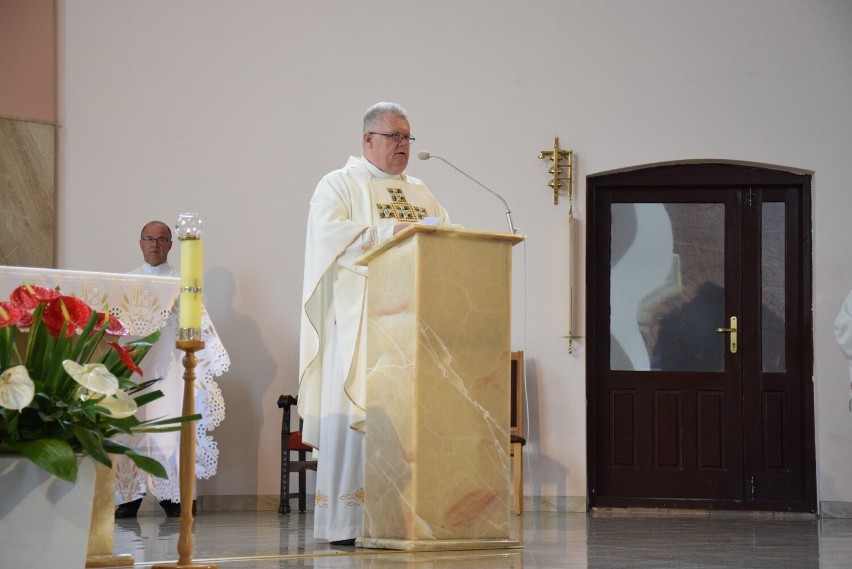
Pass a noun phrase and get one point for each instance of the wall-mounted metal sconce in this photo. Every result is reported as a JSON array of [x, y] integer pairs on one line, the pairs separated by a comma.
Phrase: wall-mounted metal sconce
[[563, 175], [562, 169]]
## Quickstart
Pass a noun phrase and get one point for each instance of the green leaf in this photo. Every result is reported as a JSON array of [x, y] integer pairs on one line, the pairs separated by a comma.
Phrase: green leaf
[[7, 346], [53, 455], [146, 398], [174, 429], [144, 385], [171, 421], [87, 342], [92, 443], [145, 344], [36, 344], [148, 464], [52, 368], [114, 446]]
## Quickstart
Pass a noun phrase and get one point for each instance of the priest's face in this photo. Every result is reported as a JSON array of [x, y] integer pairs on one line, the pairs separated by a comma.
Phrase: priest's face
[[156, 242], [383, 151]]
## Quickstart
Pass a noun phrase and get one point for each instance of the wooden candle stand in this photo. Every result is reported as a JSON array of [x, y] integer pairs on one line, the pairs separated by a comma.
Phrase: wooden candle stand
[[187, 461]]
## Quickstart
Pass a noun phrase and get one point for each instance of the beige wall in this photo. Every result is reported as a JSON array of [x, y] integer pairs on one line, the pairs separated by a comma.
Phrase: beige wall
[[235, 110]]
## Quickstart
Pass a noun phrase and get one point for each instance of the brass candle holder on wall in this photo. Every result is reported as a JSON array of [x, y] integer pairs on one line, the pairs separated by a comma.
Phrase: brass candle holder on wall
[[563, 176], [562, 170]]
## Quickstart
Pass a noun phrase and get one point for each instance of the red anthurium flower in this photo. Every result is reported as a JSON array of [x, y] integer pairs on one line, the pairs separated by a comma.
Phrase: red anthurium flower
[[29, 296], [124, 354], [10, 314], [65, 309], [115, 327], [26, 321]]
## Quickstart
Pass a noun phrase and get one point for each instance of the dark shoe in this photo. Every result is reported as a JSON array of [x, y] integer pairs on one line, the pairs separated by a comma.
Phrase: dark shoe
[[344, 542], [172, 508], [128, 509]]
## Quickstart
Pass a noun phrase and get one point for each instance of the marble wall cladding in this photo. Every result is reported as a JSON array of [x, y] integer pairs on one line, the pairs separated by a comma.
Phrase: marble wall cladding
[[437, 464], [27, 221]]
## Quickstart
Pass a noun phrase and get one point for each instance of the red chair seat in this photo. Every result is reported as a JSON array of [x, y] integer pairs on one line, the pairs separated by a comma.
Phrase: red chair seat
[[295, 442]]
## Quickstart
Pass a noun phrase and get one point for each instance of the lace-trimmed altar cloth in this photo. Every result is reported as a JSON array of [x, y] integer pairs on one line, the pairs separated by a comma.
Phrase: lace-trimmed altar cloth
[[213, 361], [141, 302], [144, 303]]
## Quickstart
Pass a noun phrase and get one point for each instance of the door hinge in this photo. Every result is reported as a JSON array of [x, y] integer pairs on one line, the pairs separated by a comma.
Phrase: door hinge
[[751, 487], [748, 197]]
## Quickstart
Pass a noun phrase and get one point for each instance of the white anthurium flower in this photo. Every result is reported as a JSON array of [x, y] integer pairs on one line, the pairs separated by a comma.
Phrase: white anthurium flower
[[16, 388], [94, 377], [120, 405]]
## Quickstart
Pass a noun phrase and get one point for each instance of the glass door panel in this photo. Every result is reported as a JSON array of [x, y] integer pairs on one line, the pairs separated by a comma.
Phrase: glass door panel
[[773, 269], [667, 271]]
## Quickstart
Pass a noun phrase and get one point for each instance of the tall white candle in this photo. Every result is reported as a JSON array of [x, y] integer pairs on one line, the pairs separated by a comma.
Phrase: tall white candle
[[190, 283], [189, 233]]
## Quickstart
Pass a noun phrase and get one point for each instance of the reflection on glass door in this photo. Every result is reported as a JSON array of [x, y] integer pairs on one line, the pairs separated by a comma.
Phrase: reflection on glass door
[[667, 287]]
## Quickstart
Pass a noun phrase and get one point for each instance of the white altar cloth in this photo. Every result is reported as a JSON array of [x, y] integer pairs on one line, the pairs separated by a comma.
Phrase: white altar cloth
[[141, 302]]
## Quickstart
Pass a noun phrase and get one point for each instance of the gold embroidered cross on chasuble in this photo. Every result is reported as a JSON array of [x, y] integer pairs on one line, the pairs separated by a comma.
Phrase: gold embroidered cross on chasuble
[[399, 208]]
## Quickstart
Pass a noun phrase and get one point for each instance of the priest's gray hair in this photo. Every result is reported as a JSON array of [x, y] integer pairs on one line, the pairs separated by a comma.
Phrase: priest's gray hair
[[375, 113]]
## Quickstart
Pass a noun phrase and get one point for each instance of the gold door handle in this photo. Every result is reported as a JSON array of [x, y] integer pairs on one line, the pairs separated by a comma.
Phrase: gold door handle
[[733, 331]]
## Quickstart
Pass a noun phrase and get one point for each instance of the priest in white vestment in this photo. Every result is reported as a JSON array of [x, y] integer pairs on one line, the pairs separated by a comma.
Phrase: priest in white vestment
[[352, 210], [843, 333]]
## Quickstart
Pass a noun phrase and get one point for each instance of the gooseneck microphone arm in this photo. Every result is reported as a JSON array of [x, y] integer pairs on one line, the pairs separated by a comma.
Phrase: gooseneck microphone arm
[[427, 155]]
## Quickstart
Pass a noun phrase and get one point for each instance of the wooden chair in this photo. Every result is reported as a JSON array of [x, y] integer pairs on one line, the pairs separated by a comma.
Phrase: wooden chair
[[291, 442], [516, 430]]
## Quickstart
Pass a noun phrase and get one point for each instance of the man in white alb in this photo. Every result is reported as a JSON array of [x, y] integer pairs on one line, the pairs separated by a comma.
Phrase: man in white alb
[[164, 361], [155, 242], [352, 210]]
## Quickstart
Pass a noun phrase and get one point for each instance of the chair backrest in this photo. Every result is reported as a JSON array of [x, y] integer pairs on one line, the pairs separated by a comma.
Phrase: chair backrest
[[284, 403], [291, 439], [517, 409]]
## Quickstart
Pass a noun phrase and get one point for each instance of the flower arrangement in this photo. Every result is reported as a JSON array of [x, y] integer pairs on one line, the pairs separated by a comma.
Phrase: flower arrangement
[[63, 390]]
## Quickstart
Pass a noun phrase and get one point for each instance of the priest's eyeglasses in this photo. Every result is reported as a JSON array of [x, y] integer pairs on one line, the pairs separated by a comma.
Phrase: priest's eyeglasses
[[157, 240], [396, 137]]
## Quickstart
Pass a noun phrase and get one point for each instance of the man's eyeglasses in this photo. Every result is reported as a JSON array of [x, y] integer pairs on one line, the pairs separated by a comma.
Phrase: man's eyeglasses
[[396, 137], [157, 240]]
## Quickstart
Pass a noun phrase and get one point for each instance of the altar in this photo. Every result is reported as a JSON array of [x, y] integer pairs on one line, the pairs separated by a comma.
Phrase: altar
[[146, 303]]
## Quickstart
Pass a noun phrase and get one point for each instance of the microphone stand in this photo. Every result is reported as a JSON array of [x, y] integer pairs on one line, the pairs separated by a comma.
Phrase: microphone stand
[[512, 228]]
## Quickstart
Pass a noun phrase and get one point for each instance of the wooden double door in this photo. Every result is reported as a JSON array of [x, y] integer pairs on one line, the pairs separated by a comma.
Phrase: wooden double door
[[699, 338]]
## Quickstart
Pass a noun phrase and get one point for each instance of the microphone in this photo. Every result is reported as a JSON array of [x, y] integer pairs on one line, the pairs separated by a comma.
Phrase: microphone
[[423, 155]]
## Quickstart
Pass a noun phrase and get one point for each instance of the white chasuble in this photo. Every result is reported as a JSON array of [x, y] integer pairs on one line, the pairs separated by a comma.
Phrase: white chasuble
[[352, 210]]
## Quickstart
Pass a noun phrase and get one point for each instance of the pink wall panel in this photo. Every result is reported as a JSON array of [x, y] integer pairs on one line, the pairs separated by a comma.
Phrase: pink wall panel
[[28, 59]]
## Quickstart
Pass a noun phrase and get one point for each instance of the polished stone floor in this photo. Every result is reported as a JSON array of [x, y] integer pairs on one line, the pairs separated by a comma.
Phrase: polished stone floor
[[605, 539]]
